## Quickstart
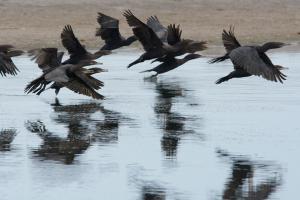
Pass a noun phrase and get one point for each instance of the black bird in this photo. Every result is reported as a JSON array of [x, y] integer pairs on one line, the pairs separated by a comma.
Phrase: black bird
[[249, 60], [155, 46], [170, 63], [76, 50], [49, 58], [109, 32], [74, 77], [161, 31], [6, 64]]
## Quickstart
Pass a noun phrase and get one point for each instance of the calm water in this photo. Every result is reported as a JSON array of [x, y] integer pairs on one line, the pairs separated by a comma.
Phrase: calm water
[[179, 136]]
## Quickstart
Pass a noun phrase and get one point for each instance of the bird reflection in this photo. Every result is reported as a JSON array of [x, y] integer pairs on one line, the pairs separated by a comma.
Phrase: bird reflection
[[107, 130], [173, 123], [6, 138], [240, 185], [57, 148], [153, 193], [86, 124]]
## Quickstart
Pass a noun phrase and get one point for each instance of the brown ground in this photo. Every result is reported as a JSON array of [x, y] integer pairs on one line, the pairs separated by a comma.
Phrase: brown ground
[[38, 23]]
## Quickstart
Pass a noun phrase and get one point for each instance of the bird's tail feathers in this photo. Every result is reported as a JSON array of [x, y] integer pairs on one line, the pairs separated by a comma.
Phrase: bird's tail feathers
[[219, 59]]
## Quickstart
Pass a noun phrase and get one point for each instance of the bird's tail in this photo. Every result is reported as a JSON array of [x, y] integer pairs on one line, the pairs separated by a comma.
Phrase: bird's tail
[[197, 46], [36, 86], [219, 59], [280, 76]]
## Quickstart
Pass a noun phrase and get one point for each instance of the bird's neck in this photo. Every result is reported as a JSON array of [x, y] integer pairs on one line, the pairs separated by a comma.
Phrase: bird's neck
[[130, 40]]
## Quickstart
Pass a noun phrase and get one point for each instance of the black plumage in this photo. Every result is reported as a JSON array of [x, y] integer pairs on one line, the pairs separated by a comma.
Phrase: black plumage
[[158, 41], [75, 77], [170, 63], [6, 64], [110, 33], [249, 60], [76, 50]]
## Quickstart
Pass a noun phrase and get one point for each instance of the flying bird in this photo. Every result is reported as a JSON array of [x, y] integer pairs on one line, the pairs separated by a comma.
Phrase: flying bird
[[109, 32], [73, 76], [170, 63], [158, 42], [249, 60], [6, 64], [76, 50]]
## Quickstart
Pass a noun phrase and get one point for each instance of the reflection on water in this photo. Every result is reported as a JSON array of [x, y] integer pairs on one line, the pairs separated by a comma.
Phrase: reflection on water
[[85, 126], [241, 184], [57, 148], [153, 193], [172, 122], [6, 138], [153, 139]]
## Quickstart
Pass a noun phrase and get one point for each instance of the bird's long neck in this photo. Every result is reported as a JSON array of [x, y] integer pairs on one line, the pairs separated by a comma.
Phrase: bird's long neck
[[270, 45], [130, 40]]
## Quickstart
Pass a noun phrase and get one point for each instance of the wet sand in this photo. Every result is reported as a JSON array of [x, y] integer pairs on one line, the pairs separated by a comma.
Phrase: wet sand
[[36, 23]]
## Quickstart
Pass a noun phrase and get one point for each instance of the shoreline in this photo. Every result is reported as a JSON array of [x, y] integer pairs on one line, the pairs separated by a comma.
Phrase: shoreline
[[32, 24]]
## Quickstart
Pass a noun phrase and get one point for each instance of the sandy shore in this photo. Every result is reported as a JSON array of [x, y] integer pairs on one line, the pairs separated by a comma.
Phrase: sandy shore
[[38, 23]]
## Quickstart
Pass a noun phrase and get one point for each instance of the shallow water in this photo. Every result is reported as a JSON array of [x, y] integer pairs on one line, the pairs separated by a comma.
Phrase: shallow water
[[179, 136]]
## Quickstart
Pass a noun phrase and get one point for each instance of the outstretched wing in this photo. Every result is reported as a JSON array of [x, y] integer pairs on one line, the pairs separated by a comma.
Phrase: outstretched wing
[[174, 34], [158, 28], [229, 40], [79, 86], [71, 43], [46, 58], [109, 28], [251, 61], [144, 33], [6, 64]]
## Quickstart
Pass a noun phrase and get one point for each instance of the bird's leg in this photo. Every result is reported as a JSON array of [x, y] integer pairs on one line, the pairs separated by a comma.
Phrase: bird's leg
[[57, 90]]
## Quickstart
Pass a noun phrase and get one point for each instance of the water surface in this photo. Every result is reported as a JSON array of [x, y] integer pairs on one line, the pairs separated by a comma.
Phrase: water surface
[[179, 136]]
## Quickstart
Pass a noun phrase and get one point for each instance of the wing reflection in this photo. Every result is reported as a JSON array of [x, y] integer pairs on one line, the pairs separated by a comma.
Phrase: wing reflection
[[86, 124], [6, 138], [241, 185]]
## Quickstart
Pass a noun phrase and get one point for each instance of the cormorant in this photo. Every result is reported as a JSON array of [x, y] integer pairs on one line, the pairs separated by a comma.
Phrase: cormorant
[[171, 63], [76, 50], [249, 60], [74, 77], [6, 64], [109, 32], [155, 46]]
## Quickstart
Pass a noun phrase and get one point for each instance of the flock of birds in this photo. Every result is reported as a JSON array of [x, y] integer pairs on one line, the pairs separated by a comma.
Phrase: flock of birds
[[163, 44]]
